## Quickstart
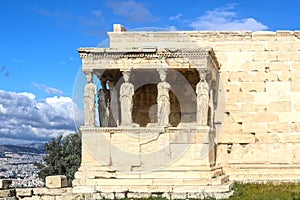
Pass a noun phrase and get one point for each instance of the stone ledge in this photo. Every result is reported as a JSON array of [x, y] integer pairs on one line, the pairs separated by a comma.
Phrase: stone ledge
[[169, 192], [7, 193], [5, 183], [50, 192], [24, 192], [139, 195]]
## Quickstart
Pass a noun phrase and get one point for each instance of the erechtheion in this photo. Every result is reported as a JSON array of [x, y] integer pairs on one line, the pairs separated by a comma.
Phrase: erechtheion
[[188, 111]]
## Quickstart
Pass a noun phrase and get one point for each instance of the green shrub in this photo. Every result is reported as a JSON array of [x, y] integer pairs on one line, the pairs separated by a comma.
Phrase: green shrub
[[63, 157]]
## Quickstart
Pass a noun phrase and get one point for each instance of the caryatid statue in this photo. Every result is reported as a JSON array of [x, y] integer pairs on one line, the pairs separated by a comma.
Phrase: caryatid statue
[[126, 93], [202, 91], [90, 90], [104, 103], [212, 108], [163, 99]]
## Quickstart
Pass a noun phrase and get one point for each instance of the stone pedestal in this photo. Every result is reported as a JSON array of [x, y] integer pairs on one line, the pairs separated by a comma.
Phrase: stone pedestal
[[56, 181], [147, 160]]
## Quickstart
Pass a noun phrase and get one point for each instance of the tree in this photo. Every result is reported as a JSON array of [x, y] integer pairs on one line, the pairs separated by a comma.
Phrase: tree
[[63, 157]]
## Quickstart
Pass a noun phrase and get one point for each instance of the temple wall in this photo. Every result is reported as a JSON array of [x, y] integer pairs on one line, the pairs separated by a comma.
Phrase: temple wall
[[260, 76], [260, 73]]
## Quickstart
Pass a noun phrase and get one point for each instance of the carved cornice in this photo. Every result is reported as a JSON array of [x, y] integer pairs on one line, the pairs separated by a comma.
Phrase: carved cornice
[[145, 53], [86, 129], [95, 130]]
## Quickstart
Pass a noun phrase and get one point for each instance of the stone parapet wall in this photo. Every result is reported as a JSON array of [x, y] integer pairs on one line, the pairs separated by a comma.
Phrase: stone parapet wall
[[34, 194]]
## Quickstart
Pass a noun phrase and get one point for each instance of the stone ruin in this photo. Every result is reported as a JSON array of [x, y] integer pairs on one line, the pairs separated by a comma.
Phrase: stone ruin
[[157, 128], [183, 114], [187, 111]]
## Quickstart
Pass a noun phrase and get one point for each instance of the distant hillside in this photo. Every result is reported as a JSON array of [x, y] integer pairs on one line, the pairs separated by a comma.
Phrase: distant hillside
[[28, 148], [38, 146]]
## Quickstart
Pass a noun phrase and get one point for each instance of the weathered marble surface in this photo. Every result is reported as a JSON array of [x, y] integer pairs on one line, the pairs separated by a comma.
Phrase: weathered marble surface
[[90, 91]]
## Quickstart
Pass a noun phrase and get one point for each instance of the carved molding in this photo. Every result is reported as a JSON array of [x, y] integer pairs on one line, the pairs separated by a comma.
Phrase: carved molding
[[102, 55], [97, 130], [93, 53]]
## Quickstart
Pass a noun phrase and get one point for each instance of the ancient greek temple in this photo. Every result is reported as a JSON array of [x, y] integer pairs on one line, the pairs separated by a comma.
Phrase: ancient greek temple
[[156, 108], [183, 114]]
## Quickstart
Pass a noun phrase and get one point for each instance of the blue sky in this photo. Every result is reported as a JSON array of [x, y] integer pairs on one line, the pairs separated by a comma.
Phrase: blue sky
[[39, 42]]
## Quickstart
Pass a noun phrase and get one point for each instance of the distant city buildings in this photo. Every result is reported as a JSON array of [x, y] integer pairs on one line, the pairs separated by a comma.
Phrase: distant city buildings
[[20, 168]]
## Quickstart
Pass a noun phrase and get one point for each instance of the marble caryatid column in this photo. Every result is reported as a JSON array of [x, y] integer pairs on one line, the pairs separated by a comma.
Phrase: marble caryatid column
[[126, 101], [163, 99], [103, 103], [112, 122], [212, 108], [90, 90], [202, 91]]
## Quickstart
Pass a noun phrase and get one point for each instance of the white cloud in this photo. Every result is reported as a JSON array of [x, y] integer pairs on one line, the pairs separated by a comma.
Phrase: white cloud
[[58, 100], [3, 109], [27, 94], [14, 141], [176, 17], [131, 10], [47, 89], [225, 18], [23, 117]]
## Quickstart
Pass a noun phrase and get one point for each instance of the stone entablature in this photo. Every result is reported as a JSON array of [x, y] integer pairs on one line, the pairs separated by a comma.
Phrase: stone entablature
[[134, 58]]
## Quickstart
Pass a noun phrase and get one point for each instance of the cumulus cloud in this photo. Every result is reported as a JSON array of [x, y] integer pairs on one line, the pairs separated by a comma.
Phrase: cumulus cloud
[[225, 18], [131, 10], [23, 117], [47, 89], [2, 109]]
